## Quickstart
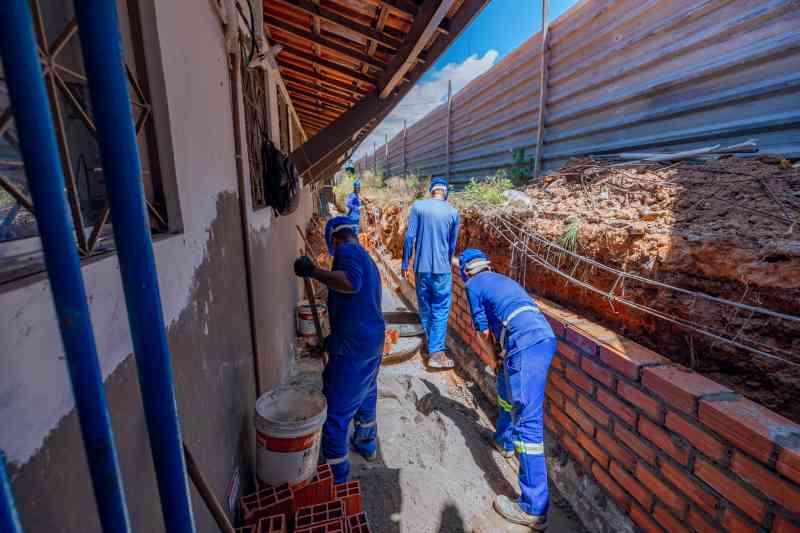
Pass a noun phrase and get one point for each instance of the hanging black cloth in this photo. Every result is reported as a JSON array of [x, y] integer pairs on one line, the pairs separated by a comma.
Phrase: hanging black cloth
[[281, 180]]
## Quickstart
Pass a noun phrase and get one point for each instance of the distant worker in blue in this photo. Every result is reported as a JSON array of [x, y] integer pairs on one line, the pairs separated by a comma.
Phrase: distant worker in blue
[[431, 236], [500, 307], [355, 345], [354, 205]]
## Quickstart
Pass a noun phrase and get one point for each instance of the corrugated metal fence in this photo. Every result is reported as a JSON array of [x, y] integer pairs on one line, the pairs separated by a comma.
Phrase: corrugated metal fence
[[623, 75]]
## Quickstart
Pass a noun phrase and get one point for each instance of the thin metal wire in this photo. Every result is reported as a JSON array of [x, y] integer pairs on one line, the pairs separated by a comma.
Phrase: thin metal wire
[[514, 228]]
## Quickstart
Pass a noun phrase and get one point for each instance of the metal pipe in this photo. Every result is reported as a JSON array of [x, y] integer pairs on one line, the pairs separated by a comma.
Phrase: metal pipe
[[46, 182], [101, 45], [9, 519]]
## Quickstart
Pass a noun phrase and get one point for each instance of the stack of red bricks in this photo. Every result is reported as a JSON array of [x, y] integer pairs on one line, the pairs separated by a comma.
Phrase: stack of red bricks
[[318, 506], [677, 451]]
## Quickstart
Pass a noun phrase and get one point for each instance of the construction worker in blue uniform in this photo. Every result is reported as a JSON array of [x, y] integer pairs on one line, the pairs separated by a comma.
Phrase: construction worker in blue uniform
[[355, 345], [354, 205], [501, 308], [431, 236]]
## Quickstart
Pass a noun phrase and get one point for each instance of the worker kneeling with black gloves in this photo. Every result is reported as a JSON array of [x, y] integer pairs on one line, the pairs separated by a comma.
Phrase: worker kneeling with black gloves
[[501, 307], [355, 345]]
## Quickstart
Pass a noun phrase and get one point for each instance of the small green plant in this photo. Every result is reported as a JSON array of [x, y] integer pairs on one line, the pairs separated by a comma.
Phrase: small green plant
[[489, 190], [569, 239], [519, 172]]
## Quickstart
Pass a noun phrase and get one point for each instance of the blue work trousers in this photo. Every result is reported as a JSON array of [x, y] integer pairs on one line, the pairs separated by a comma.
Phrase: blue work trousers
[[349, 383], [520, 395], [434, 296]]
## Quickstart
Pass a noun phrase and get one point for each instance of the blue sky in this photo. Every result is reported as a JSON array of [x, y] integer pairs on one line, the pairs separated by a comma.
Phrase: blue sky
[[501, 27]]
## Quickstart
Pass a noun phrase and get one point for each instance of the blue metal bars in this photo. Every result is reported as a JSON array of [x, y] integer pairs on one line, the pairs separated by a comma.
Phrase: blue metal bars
[[9, 521], [46, 182], [108, 85]]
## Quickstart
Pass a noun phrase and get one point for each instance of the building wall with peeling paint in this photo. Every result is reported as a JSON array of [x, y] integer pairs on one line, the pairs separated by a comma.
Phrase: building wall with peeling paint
[[204, 297]]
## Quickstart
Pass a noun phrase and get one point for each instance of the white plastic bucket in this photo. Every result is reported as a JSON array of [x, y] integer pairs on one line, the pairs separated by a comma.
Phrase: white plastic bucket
[[305, 318], [288, 429]]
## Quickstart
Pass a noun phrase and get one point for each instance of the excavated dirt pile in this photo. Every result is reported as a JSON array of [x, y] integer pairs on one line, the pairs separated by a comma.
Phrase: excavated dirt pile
[[724, 228]]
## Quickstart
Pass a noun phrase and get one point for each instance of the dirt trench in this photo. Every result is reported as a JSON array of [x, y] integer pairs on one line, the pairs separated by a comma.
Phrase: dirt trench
[[722, 228]]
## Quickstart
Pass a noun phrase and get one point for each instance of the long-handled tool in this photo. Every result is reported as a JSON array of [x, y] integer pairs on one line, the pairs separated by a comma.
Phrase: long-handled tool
[[312, 301], [206, 493]]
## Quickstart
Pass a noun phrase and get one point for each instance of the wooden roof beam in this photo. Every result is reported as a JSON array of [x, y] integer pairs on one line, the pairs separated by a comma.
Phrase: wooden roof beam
[[350, 87], [339, 134], [425, 24], [315, 100], [329, 92], [323, 97], [325, 63], [323, 42], [310, 8]]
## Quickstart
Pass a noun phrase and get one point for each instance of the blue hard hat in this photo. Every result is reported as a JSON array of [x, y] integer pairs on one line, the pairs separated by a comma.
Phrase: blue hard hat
[[357, 184], [439, 183], [335, 224], [471, 261]]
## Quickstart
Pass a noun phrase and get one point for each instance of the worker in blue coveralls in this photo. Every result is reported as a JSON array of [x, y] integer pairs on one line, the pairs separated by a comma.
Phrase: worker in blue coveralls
[[355, 345], [354, 205], [502, 308], [431, 236]]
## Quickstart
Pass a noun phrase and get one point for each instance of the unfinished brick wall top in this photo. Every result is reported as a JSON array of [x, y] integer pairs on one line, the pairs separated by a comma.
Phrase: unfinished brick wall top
[[675, 450]]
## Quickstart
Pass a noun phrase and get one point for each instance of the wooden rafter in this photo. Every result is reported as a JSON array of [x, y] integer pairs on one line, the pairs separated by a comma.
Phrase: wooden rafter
[[323, 42], [334, 92], [291, 67], [310, 8], [425, 24], [342, 134], [326, 63], [315, 100], [322, 97]]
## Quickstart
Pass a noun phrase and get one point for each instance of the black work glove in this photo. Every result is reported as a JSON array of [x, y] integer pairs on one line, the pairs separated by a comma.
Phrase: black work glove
[[304, 266]]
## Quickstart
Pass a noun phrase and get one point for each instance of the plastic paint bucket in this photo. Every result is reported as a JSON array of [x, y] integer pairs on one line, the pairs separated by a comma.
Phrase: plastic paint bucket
[[305, 318], [288, 429]]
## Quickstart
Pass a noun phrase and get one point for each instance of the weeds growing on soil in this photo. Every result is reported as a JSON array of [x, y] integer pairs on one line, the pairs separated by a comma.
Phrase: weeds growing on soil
[[488, 191], [569, 239]]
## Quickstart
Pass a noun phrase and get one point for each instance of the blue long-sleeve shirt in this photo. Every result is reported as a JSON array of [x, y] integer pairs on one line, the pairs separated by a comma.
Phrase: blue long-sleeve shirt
[[357, 325], [432, 235], [354, 206], [493, 297]]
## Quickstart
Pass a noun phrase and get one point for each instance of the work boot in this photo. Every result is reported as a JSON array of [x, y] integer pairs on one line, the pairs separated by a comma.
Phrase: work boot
[[508, 454], [440, 360], [511, 511]]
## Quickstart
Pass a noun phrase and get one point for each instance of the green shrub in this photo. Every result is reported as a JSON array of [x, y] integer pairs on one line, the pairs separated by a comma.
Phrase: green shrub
[[489, 190]]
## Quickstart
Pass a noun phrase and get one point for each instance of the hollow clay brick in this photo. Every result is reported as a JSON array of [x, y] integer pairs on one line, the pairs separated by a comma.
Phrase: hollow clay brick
[[632, 486], [358, 523], [318, 490], [784, 493], [617, 406], [650, 406], [663, 440], [628, 358], [267, 502], [689, 486], [319, 514], [731, 490], [699, 439], [679, 387], [350, 494], [747, 425]]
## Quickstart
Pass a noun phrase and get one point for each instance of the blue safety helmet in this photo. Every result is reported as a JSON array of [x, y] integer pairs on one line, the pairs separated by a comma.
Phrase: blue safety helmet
[[357, 185], [335, 224], [471, 261], [439, 183]]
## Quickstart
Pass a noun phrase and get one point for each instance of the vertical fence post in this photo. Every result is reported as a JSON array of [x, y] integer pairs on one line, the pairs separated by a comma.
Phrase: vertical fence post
[[447, 133], [537, 166], [405, 160], [9, 519], [387, 167], [374, 158], [101, 46], [37, 138]]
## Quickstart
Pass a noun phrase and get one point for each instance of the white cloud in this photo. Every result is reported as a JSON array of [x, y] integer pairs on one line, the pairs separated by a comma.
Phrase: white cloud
[[425, 96]]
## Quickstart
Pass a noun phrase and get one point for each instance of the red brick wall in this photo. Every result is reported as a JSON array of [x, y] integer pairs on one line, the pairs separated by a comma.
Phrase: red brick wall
[[674, 449]]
